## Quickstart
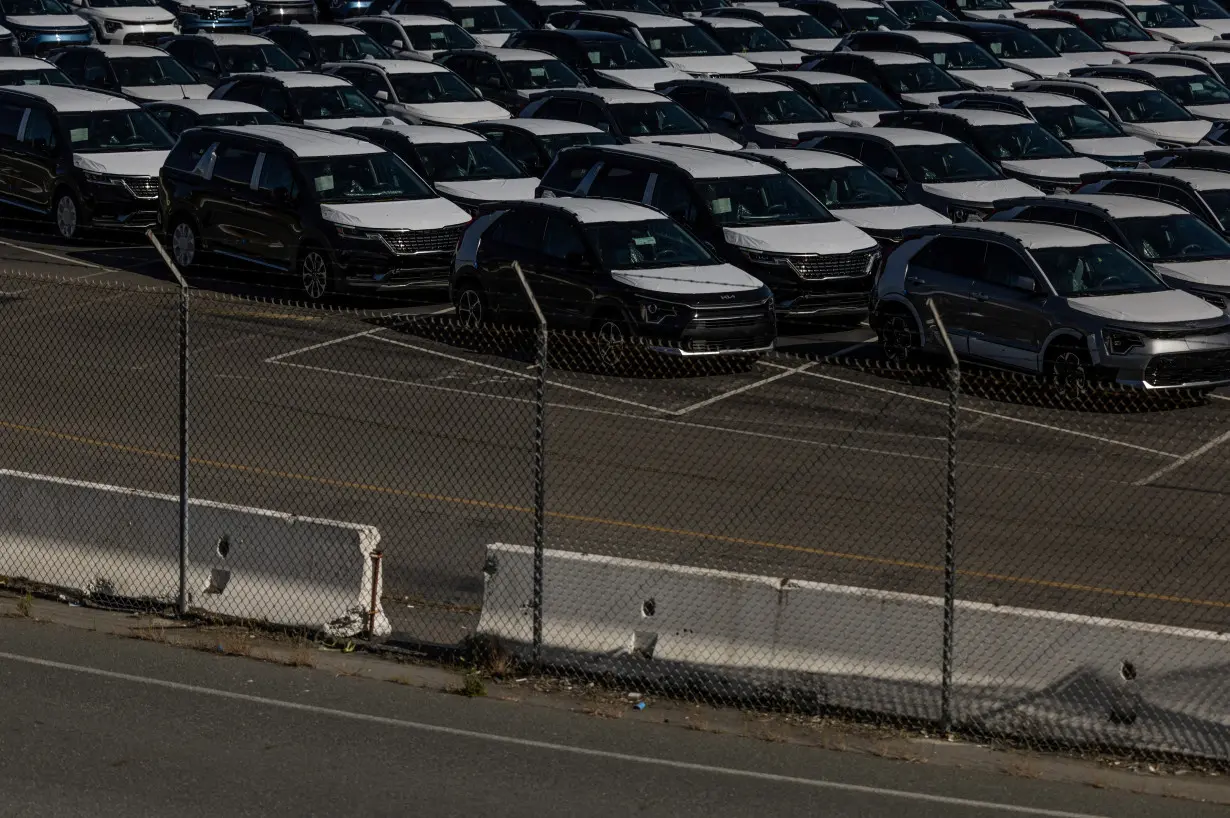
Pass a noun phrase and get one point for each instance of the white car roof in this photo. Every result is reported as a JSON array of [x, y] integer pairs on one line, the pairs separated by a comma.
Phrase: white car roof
[[804, 160], [410, 19], [308, 142], [1123, 207], [1042, 22], [128, 51], [307, 80], [699, 164], [732, 22], [597, 211], [1109, 85], [327, 30], [1040, 99], [394, 66], [738, 85], [773, 10], [24, 64], [814, 77], [890, 57], [520, 55], [1199, 179], [642, 20], [935, 37], [430, 134], [902, 136], [544, 127], [1157, 69], [979, 118], [619, 96], [212, 106], [73, 100], [1212, 55], [234, 39], [1037, 236]]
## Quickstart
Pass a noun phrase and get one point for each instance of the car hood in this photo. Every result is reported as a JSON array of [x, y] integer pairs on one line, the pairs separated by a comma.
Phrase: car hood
[[815, 45], [712, 66], [47, 21], [699, 140], [1213, 272], [1165, 307], [1098, 57], [150, 93], [128, 163], [1182, 131], [1113, 147], [991, 14], [142, 14], [793, 129], [1216, 113], [1030, 5], [1046, 66], [491, 190], [826, 238], [451, 113], [713, 278], [1002, 78], [891, 217], [859, 119], [929, 99], [646, 79], [1065, 169], [347, 122], [1195, 34], [494, 40], [1139, 46], [981, 193], [775, 59], [414, 214]]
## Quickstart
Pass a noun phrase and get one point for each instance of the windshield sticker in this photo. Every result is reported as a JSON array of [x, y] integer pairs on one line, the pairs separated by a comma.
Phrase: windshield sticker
[[719, 207], [595, 57], [939, 58], [436, 35], [79, 134], [642, 241], [655, 45], [324, 183], [538, 72], [997, 48], [467, 22]]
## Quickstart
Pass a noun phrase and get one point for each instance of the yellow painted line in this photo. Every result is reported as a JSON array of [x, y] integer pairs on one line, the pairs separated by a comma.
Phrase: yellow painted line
[[603, 521]]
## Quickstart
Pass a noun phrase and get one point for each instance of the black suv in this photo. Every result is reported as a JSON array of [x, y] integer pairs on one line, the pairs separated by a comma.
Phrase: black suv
[[602, 59], [335, 211], [215, 58], [319, 100], [315, 44]]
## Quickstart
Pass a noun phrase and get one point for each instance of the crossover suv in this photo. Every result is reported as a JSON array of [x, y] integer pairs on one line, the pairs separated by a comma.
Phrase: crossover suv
[[179, 115], [38, 26], [1205, 193], [83, 158], [216, 58], [1114, 32], [418, 92], [602, 59], [1051, 301], [1163, 20], [618, 269], [1014, 46], [318, 100], [960, 56], [844, 17], [30, 71], [632, 116], [491, 22], [756, 216], [511, 76], [314, 45], [1203, 157], [1214, 63], [131, 22], [534, 143], [139, 72], [415, 36], [1069, 40], [908, 80], [1197, 91], [751, 111], [211, 15], [753, 42], [794, 26], [338, 213], [848, 100], [1138, 109]]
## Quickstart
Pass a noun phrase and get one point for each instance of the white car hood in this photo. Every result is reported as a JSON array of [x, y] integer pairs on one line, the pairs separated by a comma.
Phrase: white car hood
[[859, 119], [1215, 272], [646, 79], [1098, 57], [347, 122], [714, 278], [1113, 146], [1196, 34], [982, 193], [823, 237], [775, 59], [1002, 78], [452, 113], [991, 14], [1030, 5], [491, 190], [1187, 133], [47, 21], [891, 217], [150, 93], [1068, 169], [700, 140], [1139, 46], [793, 129], [709, 66], [413, 214], [494, 40], [1045, 66], [1213, 112], [814, 44], [1147, 308], [930, 100], [141, 14], [127, 163]]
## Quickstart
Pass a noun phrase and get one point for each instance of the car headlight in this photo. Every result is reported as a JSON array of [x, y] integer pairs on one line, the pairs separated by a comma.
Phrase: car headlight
[[768, 259], [112, 26], [26, 35], [354, 232], [655, 312], [1121, 341], [100, 179], [1162, 143], [873, 260], [966, 214]]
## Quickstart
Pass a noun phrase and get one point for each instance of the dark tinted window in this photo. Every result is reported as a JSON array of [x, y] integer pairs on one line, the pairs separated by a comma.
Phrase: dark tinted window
[[1094, 224], [673, 196], [562, 239], [276, 174], [620, 183], [1002, 265], [519, 230], [188, 152], [235, 164], [1049, 215], [960, 257], [567, 171], [40, 130], [558, 109], [10, 121]]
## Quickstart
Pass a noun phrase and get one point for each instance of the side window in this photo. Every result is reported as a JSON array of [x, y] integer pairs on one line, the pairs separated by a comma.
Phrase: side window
[[590, 114], [691, 98], [959, 257], [830, 18], [1094, 224], [558, 108], [369, 82], [1049, 215], [10, 122], [383, 33], [879, 158], [275, 101], [846, 147], [521, 149], [1179, 197], [567, 171], [276, 174], [187, 153], [672, 196], [1131, 187], [562, 239], [245, 92], [463, 66], [72, 63], [235, 164], [182, 50], [1002, 265], [487, 74], [94, 72], [620, 183], [40, 131], [518, 231], [1088, 96]]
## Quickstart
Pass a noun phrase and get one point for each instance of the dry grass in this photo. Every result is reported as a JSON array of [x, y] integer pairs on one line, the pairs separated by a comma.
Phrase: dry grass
[[25, 605], [234, 644], [472, 686], [300, 655]]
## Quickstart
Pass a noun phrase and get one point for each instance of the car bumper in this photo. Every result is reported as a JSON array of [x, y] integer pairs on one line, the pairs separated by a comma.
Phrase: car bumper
[[275, 13], [1173, 364], [114, 206], [375, 270], [38, 43]]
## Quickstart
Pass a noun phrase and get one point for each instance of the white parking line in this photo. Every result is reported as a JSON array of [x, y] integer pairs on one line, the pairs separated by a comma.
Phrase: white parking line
[[321, 345], [740, 390], [1185, 459], [57, 256]]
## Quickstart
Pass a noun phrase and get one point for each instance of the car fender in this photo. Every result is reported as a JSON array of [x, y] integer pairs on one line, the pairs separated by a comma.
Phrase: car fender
[[607, 303], [901, 301], [1058, 333], [467, 248]]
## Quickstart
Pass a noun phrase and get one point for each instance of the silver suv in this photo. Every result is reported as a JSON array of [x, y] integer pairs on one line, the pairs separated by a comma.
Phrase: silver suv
[[1049, 300]]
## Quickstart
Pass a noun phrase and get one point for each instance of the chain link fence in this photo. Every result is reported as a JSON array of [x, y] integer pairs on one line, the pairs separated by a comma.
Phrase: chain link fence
[[982, 552]]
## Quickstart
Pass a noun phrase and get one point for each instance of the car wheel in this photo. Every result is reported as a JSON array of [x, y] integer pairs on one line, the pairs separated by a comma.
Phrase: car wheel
[[899, 337], [185, 246], [67, 215], [314, 274], [613, 338], [1069, 369], [470, 304]]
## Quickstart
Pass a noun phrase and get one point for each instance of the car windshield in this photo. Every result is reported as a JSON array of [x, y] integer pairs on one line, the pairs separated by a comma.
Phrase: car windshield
[[959, 56], [917, 77], [121, 4], [105, 131], [368, 177], [1024, 141], [1017, 45], [1163, 15], [1201, 9], [1146, 106], [489, 19], [238, 118], [876, 19], [443, 86], [442, 37], [332, 102], [916, 11], [654, 119], [751, 40], [680, 41], [752, 201], [527, 75], [798, 27], [646, 245], [254, 59], [1067, 40], [1092, 270], [1195, 90], [1075, 122], [852, 97], [848, 187], [347, 47], [984, 5], [946, 163], [465, 162], [37, 76], [619, 55], [1166, 238], [1118, 30], [557, 142], [643, 6], [776, 107], [17, 8], [135, 72]]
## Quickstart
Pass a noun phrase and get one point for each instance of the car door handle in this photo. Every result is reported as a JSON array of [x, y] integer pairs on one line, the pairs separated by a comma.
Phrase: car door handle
[[981, 296], [914, 280]]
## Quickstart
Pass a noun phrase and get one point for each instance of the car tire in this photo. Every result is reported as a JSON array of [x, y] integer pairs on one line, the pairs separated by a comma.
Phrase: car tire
[[470, 304], [185, 245], [1069, 368], [900, 340], [315, 274], [67, 216], [613, 341]]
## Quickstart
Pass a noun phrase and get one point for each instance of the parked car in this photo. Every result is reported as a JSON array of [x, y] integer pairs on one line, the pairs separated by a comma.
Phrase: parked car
[[751, 111], [614, 268], [1013, 46], [844, 17], [955, 54], [1112, 31], [337, 213], [853, 193], [131, 22], [215, 58], [1161, 19], [211, 15], [630, 116], [977, 10], [929, 169], [8, 43], [1052, 301], [1187, 253], [30, 71], [756, 215], [35, 27], [908, 80], [1202, 157], [1138, 109], [848, 100], [1068, 40], [179, 115], [691, 9], [491, 22], [753, 42], [794, 26], [82, 158], [415, 36], [534, 143], [421, 93], [140, 72], [1214, 63], [459, 164], [601, 59], [1201, 94], [318, 100], [1205, 193], [1206, 13], [913, 12], [1084, 130], [314, 45], [512, 76], [274, 12]]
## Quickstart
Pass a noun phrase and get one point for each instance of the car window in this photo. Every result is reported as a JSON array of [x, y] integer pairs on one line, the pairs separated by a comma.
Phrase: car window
[[1099, 269], [589, 113], [1178, 196], [235, 164], [953, 256], [250, 92], [562, 239], [520, 230], [559, 109], [1001, 266], [187, 153], [845, 146], [1130, 187], [620, 183], [1049, 215], [879, 158], [1093, 223], [275, 101], [487, 74], [10, 121], [521, 149], [383, 33], [673, 196], [369, 82], [566, 172], [40, 131], [691, 98], [276, 174]]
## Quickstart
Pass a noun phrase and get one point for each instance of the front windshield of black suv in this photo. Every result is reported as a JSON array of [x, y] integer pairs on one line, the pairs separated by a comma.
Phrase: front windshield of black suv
[[925, 11], [254, 59], [138, 72], [465, 162], [853, 186], [1146, 106], [1067, 40], [681, 41], [754, 201], [952, 162], [488, 19], [441, 37], [531, 75], [917, 78], [1195, 90], [797, 27], [369, 177], [347, 47], [443, 86], [852, 97], [1167, 238], [619, 55], [959, 56], [1016, 45], [1098, 269], [331, 102], [655, 119], [777, 107], [1118, 30], [646, 245], [106, 131], [748, 39], [1076, 121], [877, 19], [1024, 141]]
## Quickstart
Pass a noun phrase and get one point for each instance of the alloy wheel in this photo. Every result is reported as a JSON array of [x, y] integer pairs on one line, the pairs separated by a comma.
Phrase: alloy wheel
[[897, 339], [67, 217], [314, 271], [611, 343], [470, 308], [183, 245]]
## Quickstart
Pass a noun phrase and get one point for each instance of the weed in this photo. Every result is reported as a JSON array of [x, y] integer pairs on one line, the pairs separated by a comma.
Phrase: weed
[[472, 686], [25, 604], [300, 655], [234, 644]]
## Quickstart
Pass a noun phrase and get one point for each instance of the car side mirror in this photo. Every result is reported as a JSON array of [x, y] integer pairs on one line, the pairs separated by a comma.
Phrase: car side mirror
[[494, 83], [729, 117], [382, 96], [1025, 284], [305, 58], [891, 174], [479, 91]]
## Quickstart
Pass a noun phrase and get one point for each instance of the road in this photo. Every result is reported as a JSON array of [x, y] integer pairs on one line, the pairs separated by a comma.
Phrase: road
[[99, 725]]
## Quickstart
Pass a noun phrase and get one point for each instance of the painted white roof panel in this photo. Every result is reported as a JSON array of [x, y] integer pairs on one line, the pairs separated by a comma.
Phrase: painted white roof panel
[[700, 164], [309, 142], [1036, 236]]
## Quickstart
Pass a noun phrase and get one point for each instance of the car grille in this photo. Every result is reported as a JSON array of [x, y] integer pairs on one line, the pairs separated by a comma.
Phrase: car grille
[[147, 38], [728, 317], [847, 265], [1189, 367], [224, 14], [143, 187], [705, 345], [408, 242]]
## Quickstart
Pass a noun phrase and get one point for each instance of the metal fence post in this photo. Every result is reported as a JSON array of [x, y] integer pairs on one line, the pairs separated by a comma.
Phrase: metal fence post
[[182, 603], [950, 526], [540, 457]]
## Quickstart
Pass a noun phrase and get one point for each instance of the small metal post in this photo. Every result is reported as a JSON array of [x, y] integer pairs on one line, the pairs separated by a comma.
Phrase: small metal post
[[540, 459], [950, 527], [377, 556], [182, 604]]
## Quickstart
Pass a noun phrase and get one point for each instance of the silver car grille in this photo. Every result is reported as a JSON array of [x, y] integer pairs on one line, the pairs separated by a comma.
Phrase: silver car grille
[[143, 187], [409, 242], [846, 265]]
